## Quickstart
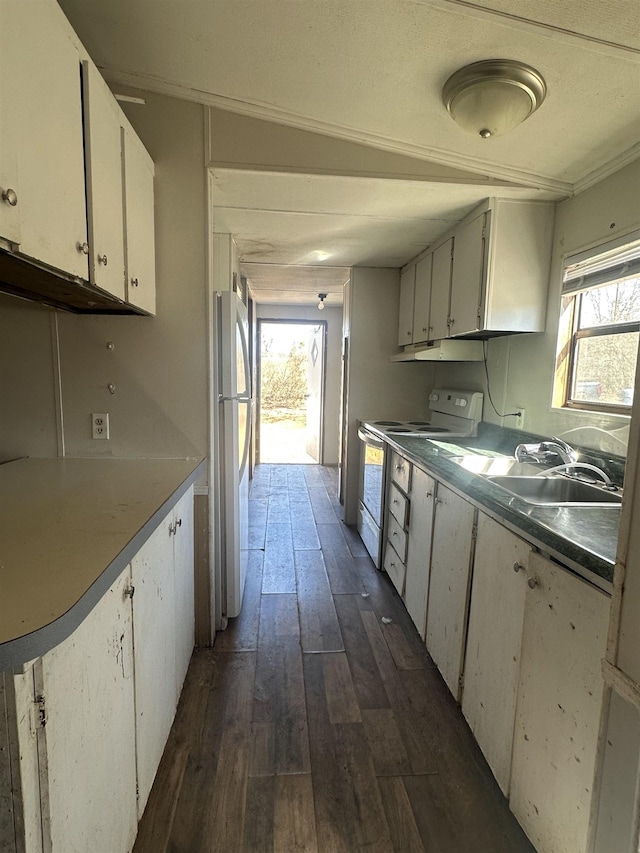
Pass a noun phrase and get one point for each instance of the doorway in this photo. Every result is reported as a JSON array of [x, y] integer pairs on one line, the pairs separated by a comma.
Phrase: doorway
[[291, 385]]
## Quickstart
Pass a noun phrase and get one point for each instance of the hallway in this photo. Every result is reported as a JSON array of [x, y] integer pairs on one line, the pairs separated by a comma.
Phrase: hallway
[[318, 722]]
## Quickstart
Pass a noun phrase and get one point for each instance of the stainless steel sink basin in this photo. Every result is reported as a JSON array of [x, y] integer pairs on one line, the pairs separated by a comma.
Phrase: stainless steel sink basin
[[556, 490], [491, 465]]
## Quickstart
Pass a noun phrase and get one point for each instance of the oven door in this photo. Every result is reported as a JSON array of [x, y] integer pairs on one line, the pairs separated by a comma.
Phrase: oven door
[[371, 492]]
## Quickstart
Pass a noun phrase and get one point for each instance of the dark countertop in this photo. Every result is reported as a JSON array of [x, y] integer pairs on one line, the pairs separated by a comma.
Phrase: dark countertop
[[583, 538]]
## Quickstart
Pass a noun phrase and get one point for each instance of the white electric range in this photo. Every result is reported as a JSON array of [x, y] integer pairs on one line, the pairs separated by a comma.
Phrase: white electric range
[[454, 414]]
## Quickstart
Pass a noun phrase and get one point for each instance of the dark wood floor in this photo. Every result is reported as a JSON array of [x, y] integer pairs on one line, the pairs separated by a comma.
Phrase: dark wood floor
[[319, 722]]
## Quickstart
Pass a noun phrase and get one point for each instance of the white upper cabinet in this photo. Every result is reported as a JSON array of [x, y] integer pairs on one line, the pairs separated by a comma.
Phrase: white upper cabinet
[[139, 224], [41, 109], [440, 289], [489, 276], [105, 206], [422, 300], [467, 277], [405, 314]]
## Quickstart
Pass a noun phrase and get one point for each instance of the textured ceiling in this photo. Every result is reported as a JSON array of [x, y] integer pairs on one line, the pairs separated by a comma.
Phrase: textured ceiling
[[371, 71]]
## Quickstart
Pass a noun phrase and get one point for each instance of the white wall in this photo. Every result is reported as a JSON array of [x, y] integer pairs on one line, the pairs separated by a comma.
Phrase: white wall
[[521, 367], [377, 388], [333, 318], [28, 424]]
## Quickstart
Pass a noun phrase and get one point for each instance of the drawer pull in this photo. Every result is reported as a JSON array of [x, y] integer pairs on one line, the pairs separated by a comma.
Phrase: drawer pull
[[10, 196]]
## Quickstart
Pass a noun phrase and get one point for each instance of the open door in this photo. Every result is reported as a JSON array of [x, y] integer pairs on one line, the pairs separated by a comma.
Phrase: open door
[[315, 391]]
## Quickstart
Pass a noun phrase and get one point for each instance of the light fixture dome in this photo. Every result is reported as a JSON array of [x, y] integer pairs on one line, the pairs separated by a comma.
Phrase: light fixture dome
[[494, 96]]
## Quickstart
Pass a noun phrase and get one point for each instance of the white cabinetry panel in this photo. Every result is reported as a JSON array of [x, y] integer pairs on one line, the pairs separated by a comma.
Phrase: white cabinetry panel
[[492, 660], [449, 584], [558, 708], [422, 301], [139, 224], [405, 311], [43, 104], [105, 209], [467, 277], [419, 548], [440, 290], [184, 586], [154, 652], [90, 741]]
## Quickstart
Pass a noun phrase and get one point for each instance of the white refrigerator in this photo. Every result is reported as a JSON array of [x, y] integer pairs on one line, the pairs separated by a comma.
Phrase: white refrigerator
[[234, 434]]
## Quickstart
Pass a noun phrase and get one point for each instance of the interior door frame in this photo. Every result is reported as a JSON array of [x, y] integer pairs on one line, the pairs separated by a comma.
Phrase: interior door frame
[[258, 363]]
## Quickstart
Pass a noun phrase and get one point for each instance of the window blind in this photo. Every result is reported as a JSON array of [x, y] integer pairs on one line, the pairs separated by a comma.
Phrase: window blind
[[610, 263]]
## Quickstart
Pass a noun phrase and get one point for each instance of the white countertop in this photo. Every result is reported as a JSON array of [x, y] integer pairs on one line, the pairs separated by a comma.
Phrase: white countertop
[[68, 527]]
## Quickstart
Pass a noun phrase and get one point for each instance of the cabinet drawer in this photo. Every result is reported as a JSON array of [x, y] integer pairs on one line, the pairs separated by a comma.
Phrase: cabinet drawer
[[401, 471], [398, 505], [394, 567], [397, 536]]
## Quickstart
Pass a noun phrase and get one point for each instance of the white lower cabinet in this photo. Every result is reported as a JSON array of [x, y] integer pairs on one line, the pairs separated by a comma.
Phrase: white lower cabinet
[[492, 661], [84, 726], [163, 633], [423, 490], [453, 530], [87, 682], [558, 707]]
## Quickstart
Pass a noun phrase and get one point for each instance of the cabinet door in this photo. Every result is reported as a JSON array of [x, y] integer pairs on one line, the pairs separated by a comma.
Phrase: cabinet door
[[105, 211], [9, 177], [422, 301], [139, 224], [87, 682], [440, 291], [42, 101], [154, 634], [467, 277], [419, 548], [449, 584], [558, 708], [184, 586], [405, 312], [492, 659]]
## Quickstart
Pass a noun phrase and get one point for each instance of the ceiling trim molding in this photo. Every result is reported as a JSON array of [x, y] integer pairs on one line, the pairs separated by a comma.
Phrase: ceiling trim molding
[[471, 180], [268, 112], [609, 168], [610, 48]]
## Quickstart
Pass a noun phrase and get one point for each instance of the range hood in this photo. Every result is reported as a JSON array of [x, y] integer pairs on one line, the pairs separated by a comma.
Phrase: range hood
[[35, 282], [446, 350]]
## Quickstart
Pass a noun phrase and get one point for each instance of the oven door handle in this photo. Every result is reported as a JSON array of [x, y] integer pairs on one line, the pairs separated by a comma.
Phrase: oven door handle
[[370, 438]]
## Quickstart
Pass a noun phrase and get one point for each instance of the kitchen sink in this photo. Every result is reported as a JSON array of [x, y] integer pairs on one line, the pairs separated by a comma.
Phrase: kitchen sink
[[491, 465], [556, 490]]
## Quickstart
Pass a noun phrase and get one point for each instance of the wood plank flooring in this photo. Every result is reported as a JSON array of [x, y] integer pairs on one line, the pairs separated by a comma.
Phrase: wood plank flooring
[[312, 725]]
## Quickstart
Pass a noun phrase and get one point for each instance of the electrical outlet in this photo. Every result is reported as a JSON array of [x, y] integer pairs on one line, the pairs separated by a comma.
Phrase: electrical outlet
[[519, 418], [100, 425]]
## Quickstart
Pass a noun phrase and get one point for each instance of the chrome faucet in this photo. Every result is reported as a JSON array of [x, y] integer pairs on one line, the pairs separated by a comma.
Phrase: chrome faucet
[[545, 451]]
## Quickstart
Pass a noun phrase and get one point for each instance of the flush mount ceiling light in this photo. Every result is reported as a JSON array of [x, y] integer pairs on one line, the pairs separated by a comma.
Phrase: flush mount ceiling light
[[321, 297], [492, 97]]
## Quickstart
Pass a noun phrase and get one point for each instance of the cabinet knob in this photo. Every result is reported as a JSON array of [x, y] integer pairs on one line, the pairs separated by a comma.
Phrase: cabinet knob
[[428, 494], [424, 328], [134, 282], [517, 566], [398, 467], [102, 259], [10, 196], [130, 591], [451, 321], [178, 523], [532, 583], [437, 501], [83, 248]]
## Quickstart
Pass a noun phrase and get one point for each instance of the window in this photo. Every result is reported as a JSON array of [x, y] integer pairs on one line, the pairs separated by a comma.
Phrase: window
[[599, 329]]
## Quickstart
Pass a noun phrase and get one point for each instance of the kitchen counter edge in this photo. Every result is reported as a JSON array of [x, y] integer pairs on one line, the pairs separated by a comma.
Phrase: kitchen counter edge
[[588, 564], [20, 650]]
